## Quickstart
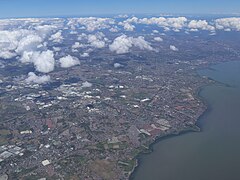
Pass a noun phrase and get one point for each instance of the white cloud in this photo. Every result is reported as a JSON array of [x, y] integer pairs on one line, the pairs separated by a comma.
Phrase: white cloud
[[228, 23], [29, 43], [7, 54], [114, 29], [27, 57], [56, 49], [212, 34], [173, 48], [27, 38], [86, 84], [97, 40], [167, 23], [117, 65], [201, 24], [68, 61], [158, 39], [33, 78], [132, 20], [16, 42], [127, 26], [57, 37], [141, 43], [44, 62], [85, 54], [73, 32], [82, 36], [176, 23], [122, 44], [122, 16], [9, 41], [192, 30], [77, 45], [44, 30], [93, 23]]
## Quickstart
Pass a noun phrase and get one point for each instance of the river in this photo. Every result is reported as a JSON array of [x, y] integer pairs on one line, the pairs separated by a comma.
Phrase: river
[[213, 153]]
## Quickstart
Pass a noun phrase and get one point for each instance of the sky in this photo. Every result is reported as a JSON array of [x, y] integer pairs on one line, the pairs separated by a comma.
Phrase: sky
[[45, 8]]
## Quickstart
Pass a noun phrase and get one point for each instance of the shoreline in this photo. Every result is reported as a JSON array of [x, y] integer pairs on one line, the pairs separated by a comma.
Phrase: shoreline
[[196, 128], [158, 139]]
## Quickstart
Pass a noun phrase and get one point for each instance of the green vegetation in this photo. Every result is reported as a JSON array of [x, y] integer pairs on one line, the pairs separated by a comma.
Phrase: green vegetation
[[128, 165], [4, 135], [23, 172]]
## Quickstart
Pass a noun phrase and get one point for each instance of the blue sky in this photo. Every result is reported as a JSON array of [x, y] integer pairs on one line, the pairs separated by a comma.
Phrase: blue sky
[[33, 8]]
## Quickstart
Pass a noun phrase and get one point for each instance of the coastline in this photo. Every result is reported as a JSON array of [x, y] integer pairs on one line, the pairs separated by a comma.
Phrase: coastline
[[196, 128], [157, 140]]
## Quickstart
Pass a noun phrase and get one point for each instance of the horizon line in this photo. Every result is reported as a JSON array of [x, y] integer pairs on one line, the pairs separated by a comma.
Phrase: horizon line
[[117, 14]]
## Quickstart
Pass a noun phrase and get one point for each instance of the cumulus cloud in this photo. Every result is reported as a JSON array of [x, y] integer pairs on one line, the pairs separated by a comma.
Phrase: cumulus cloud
[[173, 48], [201, 24], [86, 84], [127, 26], [57, 37], [27, 39], [97, 40], [9, 41], [141, 43], [117, 65], [7, 54], [29, 43], [85, 54], [44, 30], [228, 23], [92, 23], [33, 78], [158, 39], [77, 45], [27, 57], [122, 16], [82, 36], [114, 29], [178, 23], [56, 49], [68, 61], [174, 23], [122, 44], [43, 61], [15, 42], [132, 20]]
